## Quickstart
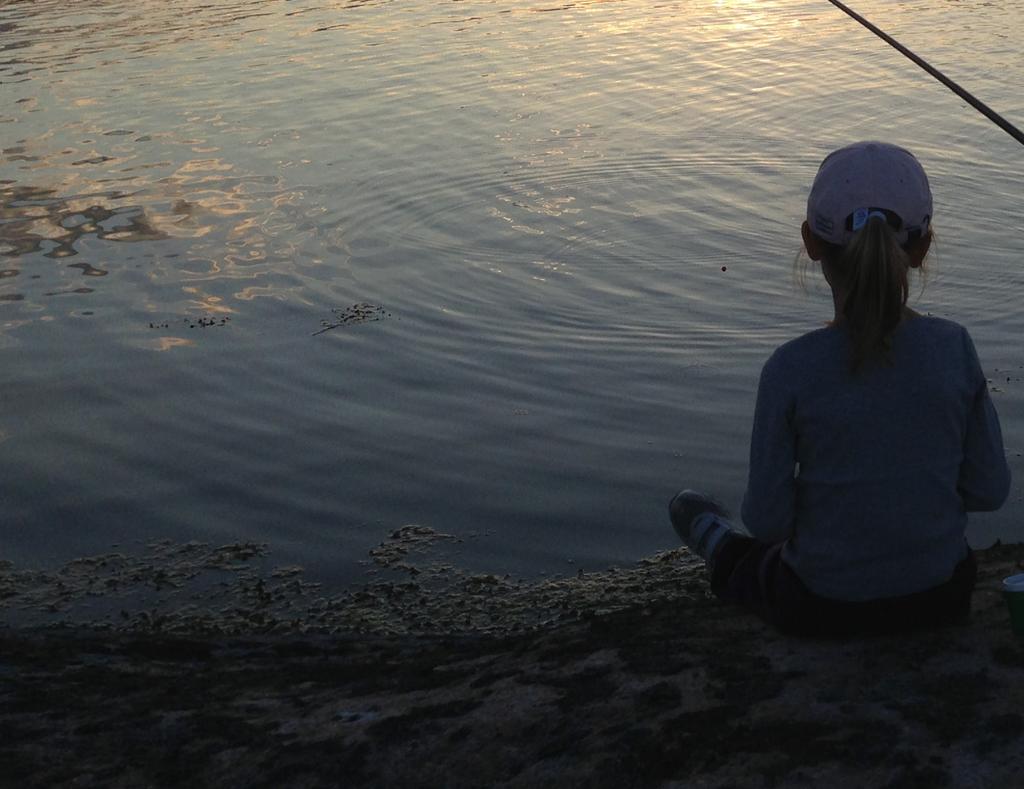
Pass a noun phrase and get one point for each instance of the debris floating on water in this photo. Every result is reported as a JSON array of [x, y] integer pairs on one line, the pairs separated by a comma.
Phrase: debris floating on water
[[202, 322], [363, 312]]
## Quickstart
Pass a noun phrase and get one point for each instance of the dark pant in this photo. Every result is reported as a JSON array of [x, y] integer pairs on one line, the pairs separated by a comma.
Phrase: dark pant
[[754, 575]]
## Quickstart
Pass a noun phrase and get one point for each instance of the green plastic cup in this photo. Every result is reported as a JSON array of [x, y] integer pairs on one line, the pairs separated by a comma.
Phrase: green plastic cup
[[1013, 591]]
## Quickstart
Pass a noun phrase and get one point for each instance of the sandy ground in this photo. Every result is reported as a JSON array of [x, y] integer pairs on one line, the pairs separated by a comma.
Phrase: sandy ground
[[675, 690]]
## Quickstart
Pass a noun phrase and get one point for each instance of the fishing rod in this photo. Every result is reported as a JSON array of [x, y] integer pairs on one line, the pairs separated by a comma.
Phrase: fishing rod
[[979, 105]]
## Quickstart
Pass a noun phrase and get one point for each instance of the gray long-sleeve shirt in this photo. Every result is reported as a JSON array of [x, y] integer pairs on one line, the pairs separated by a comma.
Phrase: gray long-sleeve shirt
[[868, 477]]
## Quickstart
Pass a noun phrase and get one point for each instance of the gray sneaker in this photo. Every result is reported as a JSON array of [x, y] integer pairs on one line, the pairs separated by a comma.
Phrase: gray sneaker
[[687, 505]]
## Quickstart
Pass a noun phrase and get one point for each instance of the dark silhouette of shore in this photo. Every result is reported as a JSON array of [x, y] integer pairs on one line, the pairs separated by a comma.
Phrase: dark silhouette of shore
[[674, 692]]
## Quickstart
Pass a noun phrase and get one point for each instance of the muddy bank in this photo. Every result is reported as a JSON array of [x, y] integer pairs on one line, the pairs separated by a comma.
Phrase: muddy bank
[[676, 690]]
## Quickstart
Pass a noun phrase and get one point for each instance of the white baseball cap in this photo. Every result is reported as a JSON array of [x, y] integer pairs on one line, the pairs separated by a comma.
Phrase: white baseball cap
[[869, 179]]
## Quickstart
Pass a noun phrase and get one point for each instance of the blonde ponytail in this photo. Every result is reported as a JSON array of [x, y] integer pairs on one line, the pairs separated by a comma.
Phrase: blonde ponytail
[[874, 272]]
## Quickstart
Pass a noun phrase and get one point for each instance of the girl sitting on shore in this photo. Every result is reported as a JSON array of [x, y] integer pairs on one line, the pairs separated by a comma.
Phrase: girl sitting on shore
[[873, 437]]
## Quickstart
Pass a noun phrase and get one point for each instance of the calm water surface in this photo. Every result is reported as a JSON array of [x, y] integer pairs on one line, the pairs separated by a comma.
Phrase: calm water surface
[[578, 220]]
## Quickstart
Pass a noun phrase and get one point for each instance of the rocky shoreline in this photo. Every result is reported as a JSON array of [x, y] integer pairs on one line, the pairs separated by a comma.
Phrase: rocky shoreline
[[676, 690]]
